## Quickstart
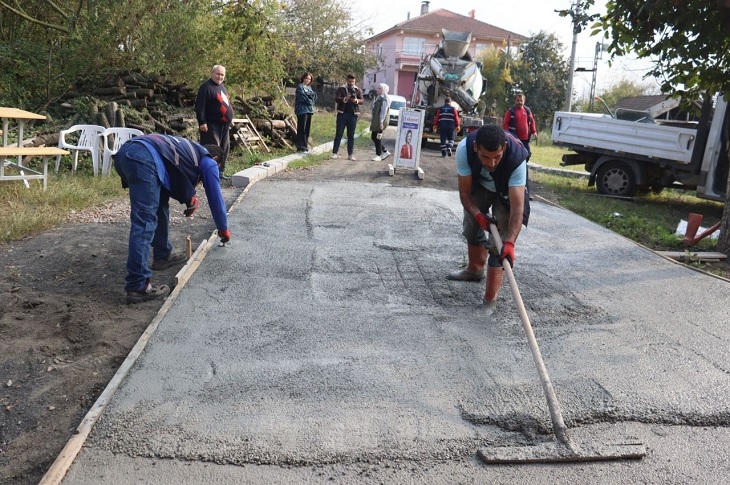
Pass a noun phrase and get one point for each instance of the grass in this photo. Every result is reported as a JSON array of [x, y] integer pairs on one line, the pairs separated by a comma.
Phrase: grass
[[650, 220], [31, 210]]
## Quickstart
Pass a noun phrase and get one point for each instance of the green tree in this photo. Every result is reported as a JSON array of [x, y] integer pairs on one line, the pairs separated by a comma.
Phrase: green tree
[[498, 78], [689, 44], [541, 74], [611, 96], [326, 41]]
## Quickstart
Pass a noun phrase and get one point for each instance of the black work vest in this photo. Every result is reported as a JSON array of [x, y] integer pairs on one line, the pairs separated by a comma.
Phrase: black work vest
[[512, 158]]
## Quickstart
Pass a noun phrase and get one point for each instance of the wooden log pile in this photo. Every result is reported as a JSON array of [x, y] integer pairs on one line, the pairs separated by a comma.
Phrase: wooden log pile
[[146, 102], [146, 94]]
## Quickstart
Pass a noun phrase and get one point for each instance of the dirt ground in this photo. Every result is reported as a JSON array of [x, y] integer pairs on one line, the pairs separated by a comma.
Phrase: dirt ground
[[65, 327]]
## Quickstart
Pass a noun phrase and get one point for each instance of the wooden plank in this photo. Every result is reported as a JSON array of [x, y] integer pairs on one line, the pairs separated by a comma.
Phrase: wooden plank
[[702, 256], [13, 151]]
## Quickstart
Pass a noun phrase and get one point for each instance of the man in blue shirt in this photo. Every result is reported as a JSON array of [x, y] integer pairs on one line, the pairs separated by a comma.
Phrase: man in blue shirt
[[156, 168], [491, 167]]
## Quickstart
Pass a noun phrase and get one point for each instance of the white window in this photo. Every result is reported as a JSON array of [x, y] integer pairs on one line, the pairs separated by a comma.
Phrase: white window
[[413, 46], [481, 47]]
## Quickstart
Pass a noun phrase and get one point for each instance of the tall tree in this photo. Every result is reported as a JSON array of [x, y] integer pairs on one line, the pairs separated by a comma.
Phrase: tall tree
[[326, 39], [689, 44], [542, 75]]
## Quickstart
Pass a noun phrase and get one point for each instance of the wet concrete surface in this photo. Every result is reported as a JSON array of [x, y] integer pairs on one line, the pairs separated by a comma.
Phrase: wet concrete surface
[[325, 344]]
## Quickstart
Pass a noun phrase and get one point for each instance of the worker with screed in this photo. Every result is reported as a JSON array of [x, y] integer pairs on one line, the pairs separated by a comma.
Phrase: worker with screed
[[156, 168], [492, 171]]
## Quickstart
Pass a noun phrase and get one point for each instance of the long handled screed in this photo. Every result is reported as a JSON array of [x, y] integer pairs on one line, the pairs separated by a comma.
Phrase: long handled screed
[[564, 450]]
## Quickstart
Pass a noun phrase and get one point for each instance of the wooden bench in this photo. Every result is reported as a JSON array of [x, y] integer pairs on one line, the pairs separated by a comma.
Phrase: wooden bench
[[21, 152]]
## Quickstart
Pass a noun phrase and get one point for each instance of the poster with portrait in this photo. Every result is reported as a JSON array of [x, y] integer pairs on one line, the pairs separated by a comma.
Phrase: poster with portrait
[[408, 141]]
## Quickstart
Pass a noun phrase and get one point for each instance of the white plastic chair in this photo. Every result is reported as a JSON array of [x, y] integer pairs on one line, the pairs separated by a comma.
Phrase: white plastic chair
[[117, 137], [88, 141]]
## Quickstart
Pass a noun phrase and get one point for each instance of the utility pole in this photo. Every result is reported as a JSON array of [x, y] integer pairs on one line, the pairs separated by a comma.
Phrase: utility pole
[[576, 30]]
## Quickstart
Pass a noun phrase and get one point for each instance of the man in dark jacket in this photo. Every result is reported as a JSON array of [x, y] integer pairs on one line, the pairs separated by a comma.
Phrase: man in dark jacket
[[156, 168], [348, 99], [492, 174], [214, 113]]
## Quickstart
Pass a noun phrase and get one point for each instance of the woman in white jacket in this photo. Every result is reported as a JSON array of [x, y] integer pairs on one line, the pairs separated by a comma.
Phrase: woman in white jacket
[[380, 119]]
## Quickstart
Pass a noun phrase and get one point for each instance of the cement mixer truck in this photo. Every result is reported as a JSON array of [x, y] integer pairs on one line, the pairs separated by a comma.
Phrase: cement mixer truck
[[450, 71]]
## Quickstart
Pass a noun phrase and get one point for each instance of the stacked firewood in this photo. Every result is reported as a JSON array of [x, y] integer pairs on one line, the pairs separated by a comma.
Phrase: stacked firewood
[[148, 95], [144, 102]]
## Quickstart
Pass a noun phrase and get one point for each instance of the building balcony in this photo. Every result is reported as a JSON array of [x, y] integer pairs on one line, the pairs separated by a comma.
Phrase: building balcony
[[407, 59]]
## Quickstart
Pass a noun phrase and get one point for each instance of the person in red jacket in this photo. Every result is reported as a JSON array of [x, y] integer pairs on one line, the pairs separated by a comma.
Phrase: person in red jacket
[[519, 121]]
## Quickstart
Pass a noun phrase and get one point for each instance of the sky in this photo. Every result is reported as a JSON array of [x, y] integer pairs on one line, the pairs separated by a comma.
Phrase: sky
[[525, 17]]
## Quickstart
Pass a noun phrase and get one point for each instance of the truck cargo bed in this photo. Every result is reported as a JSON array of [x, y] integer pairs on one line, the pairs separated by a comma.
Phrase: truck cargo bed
[[590, 131]]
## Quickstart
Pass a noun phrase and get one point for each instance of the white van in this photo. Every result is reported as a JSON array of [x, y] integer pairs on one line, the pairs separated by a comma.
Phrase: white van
[[396, 103]]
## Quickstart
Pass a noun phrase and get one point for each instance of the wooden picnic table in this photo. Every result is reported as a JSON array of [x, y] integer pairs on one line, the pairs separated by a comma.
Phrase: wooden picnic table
[[18, 151]]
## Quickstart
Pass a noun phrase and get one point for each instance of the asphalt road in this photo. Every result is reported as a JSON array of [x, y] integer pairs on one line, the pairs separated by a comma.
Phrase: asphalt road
[[325, 345]]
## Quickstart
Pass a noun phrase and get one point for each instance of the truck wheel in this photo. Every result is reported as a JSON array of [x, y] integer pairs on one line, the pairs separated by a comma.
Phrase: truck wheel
[[616, 178]]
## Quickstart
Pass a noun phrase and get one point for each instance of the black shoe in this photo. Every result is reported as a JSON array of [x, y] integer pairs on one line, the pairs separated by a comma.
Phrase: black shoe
[[151, 292], [172, 260]]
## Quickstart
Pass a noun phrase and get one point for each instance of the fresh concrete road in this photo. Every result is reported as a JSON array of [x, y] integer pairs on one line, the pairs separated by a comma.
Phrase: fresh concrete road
[[325, 345]]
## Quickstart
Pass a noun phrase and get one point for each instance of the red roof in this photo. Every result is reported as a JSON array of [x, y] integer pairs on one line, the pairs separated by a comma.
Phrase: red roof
[[446, 19]]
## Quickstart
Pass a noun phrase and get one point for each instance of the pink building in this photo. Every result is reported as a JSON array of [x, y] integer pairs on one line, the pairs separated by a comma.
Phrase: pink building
[[401, 47]]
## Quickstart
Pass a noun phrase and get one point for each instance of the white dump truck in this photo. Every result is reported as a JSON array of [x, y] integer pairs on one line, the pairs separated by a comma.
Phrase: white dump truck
[[628, 152], [450, 71]]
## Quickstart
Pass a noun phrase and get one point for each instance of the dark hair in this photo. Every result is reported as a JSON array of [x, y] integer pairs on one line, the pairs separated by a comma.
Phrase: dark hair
[[304, 76], [350, 76], [447, 99], [215, 152], [491, 137]]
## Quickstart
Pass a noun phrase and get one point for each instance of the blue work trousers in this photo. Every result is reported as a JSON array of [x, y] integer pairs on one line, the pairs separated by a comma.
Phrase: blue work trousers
[[150, 213], [447, 138], [345, 121]]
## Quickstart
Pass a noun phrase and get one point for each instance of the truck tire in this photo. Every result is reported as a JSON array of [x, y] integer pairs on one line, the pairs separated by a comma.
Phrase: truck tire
[[616, 178]]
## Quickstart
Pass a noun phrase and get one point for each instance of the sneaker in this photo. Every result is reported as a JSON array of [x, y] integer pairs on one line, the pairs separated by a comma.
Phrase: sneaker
[[448, 151], [352, 157], [335, 156], [377, 159], [150, 292], [385, 154], [172, 260]]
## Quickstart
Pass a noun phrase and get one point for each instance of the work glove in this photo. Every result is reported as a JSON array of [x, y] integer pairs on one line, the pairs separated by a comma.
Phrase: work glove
[[508, 253], [484, 220], [192, 206], [224, 235]]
